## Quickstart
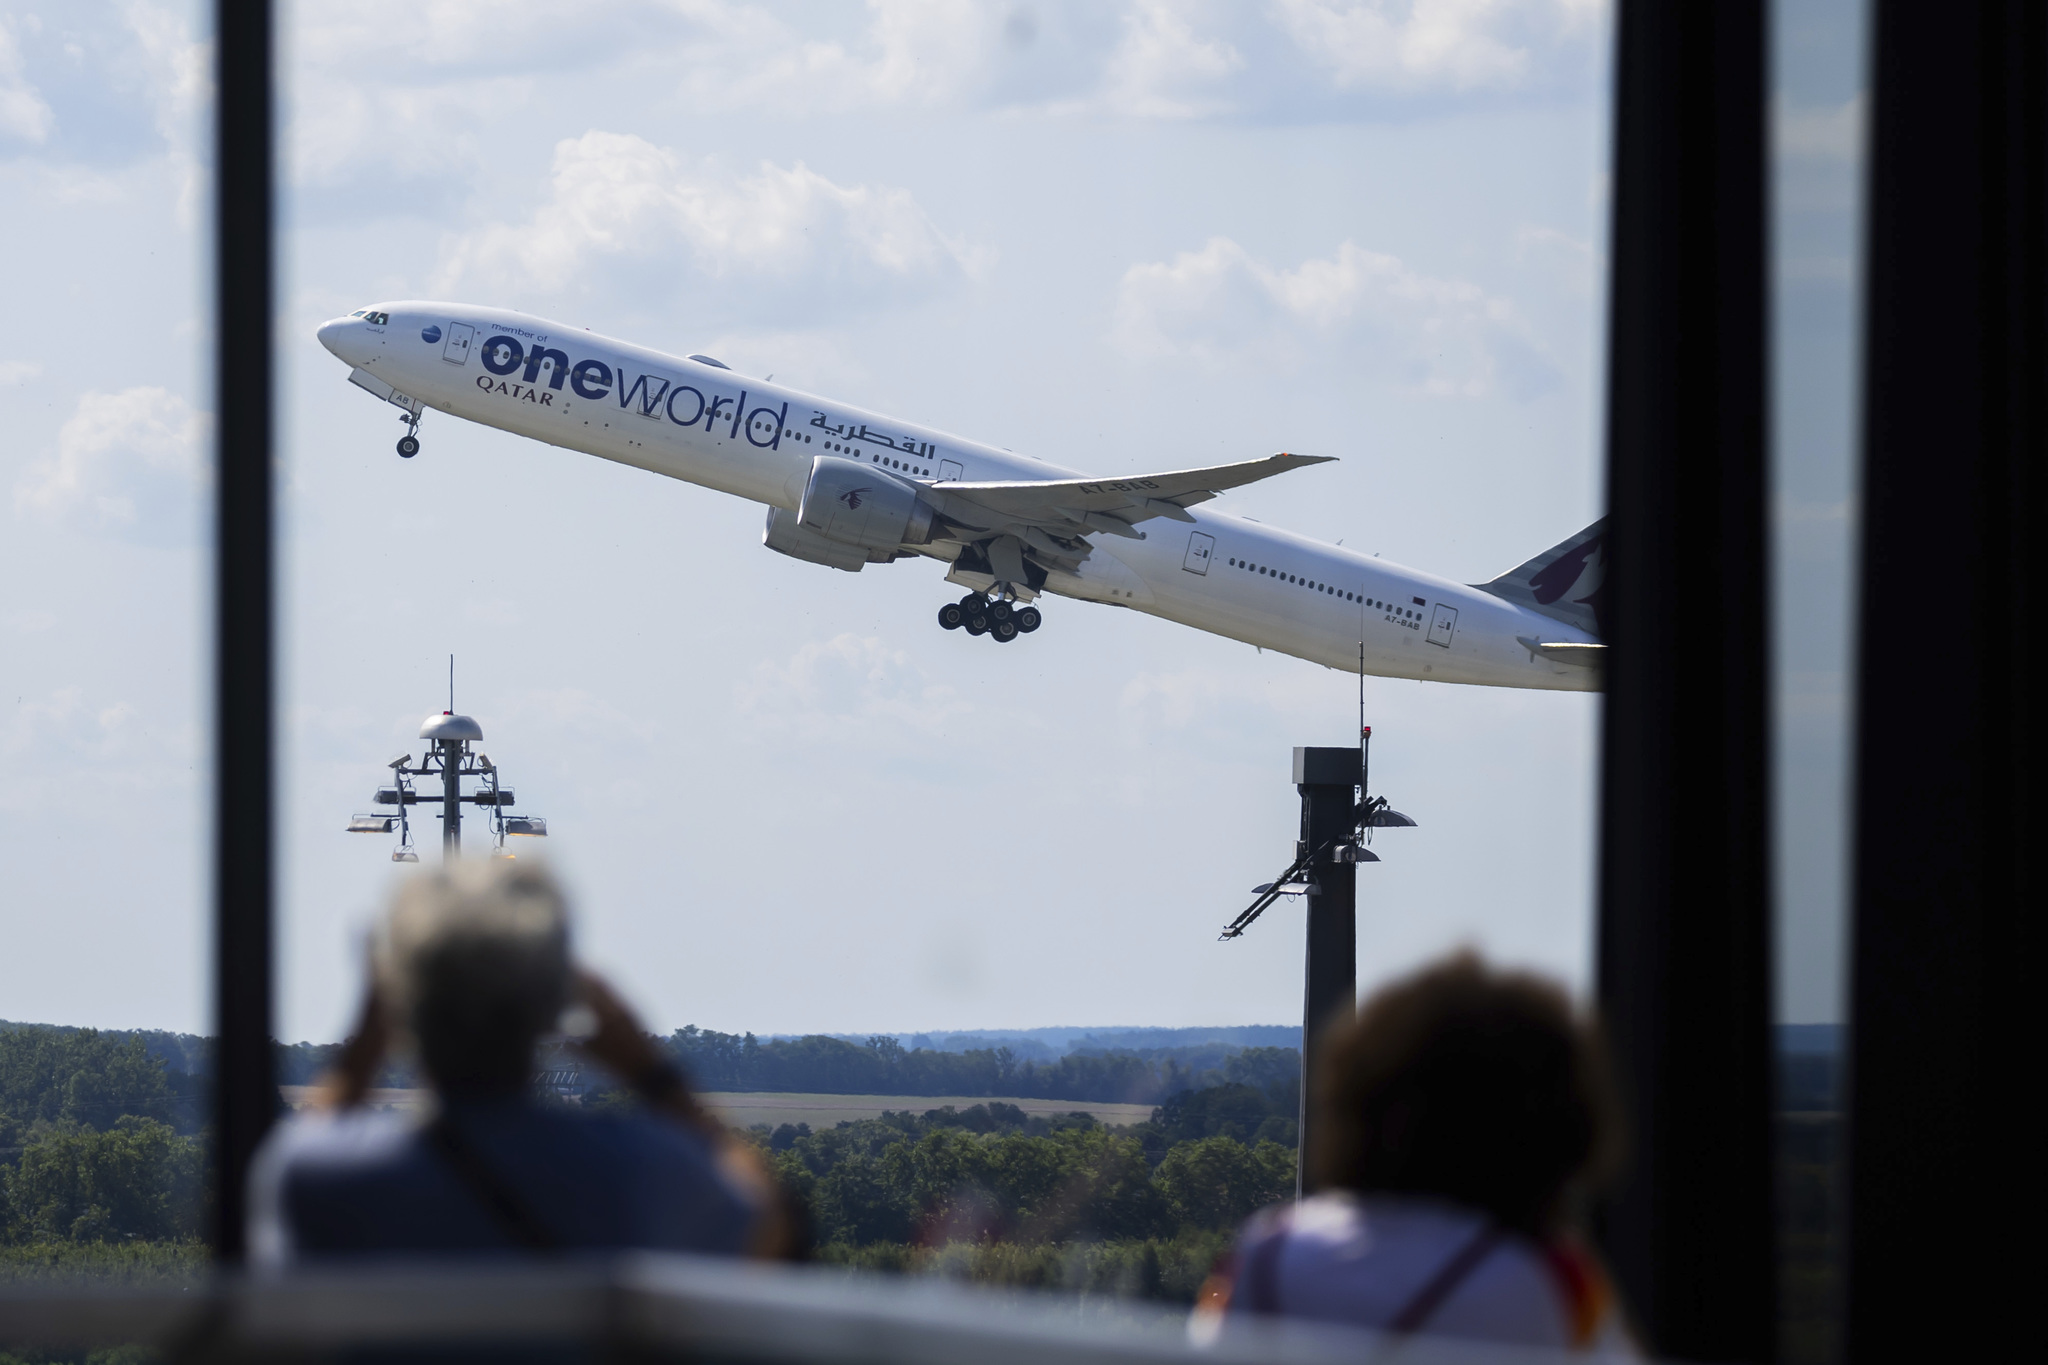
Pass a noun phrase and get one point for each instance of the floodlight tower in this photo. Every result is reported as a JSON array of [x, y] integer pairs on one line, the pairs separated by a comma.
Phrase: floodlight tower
[[1338, 817], [449, 759]]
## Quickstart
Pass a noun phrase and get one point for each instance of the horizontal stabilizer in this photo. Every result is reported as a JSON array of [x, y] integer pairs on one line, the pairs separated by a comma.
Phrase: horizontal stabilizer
[[1563, 652]]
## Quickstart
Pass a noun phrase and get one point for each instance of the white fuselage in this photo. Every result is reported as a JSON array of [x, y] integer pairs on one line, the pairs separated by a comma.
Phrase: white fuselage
[[757, 440]]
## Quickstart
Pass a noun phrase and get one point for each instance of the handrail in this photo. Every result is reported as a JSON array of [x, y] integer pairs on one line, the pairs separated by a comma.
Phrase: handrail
[[662, 1304]]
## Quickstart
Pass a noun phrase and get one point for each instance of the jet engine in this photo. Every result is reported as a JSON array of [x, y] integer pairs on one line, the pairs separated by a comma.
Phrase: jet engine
[[785, 535], [857, 504]]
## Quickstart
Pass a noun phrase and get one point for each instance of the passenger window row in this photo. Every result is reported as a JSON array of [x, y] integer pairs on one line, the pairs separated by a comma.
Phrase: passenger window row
[[1266, 570], [903, 465]]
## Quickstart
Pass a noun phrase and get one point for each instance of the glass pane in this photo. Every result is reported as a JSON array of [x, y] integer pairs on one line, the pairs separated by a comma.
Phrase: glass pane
[[105, 398], [1117, 241], [1818, 103]]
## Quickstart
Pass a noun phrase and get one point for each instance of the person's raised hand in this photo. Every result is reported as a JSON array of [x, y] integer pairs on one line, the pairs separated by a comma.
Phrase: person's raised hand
[[615, 1038], [618, 1042]]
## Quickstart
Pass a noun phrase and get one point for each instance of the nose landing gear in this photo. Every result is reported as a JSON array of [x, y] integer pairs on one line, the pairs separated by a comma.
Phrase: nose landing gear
[[978, 614], [409, 444]]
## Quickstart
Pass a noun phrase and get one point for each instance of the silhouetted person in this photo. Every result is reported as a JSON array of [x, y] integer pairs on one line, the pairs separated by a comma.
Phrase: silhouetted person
[[1465, 1115], [472, 965]]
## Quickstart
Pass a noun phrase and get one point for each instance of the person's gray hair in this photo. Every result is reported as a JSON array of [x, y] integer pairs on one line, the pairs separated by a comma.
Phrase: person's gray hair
[[473, 960]]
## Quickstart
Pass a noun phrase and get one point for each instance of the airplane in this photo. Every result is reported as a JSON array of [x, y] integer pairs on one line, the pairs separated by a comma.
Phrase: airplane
[[847, 488]]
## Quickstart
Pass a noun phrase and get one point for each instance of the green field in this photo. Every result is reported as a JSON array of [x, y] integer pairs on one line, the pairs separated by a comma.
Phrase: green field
[[743, 1109]]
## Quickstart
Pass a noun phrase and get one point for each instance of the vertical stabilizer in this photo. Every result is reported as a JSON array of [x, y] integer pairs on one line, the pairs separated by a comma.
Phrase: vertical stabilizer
[[1567, 582]]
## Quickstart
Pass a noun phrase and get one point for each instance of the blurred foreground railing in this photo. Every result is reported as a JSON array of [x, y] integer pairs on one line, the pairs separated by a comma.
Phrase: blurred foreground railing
[[660, 1307]]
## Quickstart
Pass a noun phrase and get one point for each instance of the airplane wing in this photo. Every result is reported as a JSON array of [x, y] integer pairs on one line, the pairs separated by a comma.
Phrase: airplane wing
[[1075, 507]]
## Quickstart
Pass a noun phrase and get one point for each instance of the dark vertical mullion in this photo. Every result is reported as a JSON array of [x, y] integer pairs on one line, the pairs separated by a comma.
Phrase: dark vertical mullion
[[245, 1091], [1684, 933], [1943, 1033], [1327, 781]]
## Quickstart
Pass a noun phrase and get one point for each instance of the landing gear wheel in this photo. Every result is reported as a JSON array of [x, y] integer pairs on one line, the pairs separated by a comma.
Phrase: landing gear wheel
[[952, 616], [973, 602], [999, 612], [977, 623], [1004, 630], [408, 446], [1029, 620]]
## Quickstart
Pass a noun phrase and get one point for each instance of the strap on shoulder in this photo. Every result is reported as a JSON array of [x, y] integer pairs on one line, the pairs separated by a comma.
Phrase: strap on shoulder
[[513, 1216], [1262, 1274], [1440, 1286]]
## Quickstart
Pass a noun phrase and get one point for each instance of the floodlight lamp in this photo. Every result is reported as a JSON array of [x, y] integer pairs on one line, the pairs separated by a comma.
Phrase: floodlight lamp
[[405, 855], [371, 824], [531, 826], [387, 796]]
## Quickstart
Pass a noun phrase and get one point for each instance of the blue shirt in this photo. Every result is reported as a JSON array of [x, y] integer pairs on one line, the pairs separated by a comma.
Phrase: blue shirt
[[362, 1182]]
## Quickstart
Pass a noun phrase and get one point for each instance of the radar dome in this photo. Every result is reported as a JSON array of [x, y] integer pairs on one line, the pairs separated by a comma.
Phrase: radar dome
[[447, 725]]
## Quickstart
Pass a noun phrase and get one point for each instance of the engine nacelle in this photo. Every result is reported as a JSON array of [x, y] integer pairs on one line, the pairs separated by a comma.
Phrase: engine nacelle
[[785, 535], [857, 504]]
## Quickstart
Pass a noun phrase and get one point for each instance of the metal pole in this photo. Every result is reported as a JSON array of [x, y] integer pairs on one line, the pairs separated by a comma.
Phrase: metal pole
[[245, 1089], [451, 800], [1942, 1164], [1684, 942], [1327, 780]]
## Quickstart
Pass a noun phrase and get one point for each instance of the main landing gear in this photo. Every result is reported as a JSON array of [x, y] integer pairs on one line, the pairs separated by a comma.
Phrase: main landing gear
[[979, 615], [409, 444]]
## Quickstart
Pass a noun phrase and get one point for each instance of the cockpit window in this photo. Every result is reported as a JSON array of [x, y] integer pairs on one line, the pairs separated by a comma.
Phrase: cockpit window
[[374, 319], [360, 313]]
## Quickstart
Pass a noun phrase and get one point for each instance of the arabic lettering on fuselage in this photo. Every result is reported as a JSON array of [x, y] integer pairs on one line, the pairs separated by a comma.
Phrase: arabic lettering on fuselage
[[846, 431], [646, 395]]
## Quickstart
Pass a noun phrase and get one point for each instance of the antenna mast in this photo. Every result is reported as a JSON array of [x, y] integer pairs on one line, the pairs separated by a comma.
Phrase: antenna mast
[[1364, 734]]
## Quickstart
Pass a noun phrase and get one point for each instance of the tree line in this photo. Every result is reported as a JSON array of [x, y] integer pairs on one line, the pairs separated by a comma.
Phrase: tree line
[[996, 1196], [103, 1157], [99, 1141], [1101, 1072], [883, 1066]]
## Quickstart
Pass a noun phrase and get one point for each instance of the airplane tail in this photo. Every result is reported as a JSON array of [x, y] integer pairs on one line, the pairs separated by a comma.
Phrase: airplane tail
[[1567, 582]]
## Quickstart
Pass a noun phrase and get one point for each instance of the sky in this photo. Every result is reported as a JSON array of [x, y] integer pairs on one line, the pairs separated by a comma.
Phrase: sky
[[1120, 237]]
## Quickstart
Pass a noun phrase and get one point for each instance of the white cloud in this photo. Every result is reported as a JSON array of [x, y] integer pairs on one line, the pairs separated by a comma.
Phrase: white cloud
[[66, 726], [852, 690], [179, 67], [618, 202], [916, 52], [1575, 261], [70, 753], [1190, 698], [24, 116], [1163, 68], [1416, 45], [420, 88], [126, 462], [1447, 338], [18, 371], [178, 79]]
